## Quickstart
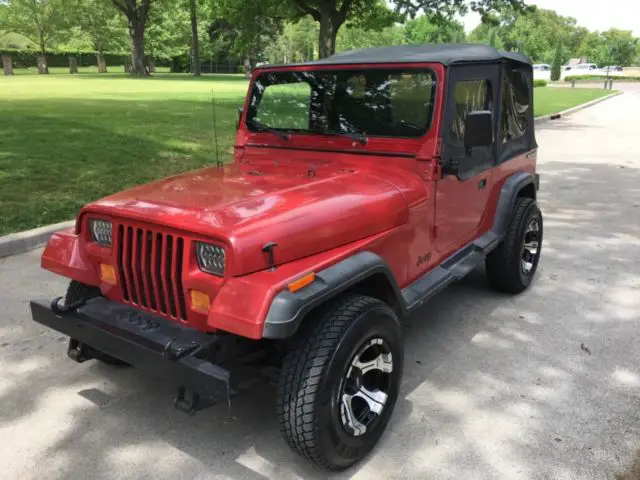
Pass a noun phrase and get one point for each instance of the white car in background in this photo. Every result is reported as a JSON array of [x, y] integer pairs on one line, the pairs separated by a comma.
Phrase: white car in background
[[542, 71], [584, 69], [612, 70]]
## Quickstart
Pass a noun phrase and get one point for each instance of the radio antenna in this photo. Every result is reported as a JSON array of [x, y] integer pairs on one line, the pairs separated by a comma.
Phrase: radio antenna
[[215, 132]]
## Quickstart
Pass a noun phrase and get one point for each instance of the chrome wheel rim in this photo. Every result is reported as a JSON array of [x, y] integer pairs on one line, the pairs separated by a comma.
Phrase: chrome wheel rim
[[531, 246], [365, 387]]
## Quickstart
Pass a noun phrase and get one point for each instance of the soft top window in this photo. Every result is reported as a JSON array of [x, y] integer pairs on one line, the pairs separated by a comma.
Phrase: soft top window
[[515, 105], [373, 102]]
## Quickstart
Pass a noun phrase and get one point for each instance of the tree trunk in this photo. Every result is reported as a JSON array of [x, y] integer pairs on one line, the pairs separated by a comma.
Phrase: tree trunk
[[248, 66], [73, 64], [195, 43], [7, 64], [136, 31], [152, 64], [42, 64], [127, 64], [102, 63], [329, 25]]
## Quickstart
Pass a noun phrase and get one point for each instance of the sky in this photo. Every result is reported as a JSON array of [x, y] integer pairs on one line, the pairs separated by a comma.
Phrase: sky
[[593, 14]]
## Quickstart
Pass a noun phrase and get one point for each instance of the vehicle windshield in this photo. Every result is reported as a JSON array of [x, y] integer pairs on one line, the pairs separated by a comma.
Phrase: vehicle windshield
[[363, 102]]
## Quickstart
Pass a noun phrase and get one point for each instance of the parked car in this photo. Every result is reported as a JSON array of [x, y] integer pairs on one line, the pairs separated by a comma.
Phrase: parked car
[[585, 69], [612, 70], [362, 185], [541, 71]]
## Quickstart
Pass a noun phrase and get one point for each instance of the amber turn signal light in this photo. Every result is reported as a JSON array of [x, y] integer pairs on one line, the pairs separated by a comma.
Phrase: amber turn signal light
[[107, 274], [301, 282], [199, 301]]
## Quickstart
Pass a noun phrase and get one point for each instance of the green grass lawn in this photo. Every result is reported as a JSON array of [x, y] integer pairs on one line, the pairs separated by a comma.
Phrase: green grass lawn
[[66, 140], [548, 100]]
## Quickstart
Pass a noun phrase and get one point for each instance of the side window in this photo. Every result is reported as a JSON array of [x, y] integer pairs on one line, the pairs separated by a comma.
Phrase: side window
[[515, 106], [285, 105], [470, 95]]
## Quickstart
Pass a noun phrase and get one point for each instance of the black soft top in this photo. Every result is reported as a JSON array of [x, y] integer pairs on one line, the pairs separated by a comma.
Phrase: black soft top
[[446, 54]]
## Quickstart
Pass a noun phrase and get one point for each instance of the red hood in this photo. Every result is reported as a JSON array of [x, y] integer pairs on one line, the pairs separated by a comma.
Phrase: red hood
[[246, 206]]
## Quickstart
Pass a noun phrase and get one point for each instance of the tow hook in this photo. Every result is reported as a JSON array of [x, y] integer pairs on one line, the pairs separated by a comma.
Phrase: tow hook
[[190, 402], [78, 351], [59, 309]]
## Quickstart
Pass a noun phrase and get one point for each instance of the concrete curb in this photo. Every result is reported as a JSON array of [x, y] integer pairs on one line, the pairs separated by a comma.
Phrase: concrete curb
[[569, 111], [30, 239]]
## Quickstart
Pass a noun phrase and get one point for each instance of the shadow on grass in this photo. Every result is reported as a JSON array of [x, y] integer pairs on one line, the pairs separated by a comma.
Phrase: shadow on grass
[[494, 386]]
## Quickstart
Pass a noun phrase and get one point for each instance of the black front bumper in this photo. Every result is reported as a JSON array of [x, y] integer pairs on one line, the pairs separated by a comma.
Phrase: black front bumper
[[173, 352]]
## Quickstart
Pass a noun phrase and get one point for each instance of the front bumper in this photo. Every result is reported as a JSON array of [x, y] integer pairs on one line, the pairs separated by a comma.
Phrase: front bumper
[[175, 353]]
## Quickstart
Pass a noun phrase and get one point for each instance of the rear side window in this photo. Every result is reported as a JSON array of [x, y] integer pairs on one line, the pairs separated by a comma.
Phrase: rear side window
[[515, 106], [470, 95]]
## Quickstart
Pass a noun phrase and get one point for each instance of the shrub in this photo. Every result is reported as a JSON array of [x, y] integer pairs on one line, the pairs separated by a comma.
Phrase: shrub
[[601, 78], [539, 83]]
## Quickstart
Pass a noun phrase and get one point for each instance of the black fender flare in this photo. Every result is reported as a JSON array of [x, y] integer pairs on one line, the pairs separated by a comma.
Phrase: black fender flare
[[508, 194], [287, 310]]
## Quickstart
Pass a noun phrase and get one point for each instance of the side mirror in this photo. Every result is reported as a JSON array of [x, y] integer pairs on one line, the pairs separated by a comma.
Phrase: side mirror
[[478, 129], [240, 110]]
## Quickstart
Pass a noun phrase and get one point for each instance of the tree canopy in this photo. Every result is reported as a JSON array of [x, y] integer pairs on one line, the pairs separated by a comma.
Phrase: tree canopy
[[285, 31]]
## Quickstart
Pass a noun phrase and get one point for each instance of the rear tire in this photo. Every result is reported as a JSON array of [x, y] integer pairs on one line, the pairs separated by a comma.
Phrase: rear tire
[[339, 385], [513, 264], [77, 292]]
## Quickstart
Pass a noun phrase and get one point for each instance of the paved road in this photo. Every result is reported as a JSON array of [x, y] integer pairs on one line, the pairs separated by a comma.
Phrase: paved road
[[495, 387]]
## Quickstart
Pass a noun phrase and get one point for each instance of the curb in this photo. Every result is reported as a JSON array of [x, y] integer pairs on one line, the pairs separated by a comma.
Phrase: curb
[[569, 111], [30, 239]]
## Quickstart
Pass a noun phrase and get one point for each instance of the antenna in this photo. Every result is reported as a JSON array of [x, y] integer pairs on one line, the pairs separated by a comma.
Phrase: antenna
[[215, 133]]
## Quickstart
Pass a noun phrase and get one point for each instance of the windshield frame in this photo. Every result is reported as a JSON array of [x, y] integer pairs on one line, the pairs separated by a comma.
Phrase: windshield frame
[[255, 95]]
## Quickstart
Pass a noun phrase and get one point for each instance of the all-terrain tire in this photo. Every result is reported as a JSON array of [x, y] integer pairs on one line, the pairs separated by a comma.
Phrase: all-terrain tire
[[78, 291], [504, 265], [313, 380]]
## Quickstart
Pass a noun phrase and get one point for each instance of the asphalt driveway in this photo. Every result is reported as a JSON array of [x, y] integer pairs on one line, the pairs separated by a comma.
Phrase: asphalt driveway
[[541, 386]]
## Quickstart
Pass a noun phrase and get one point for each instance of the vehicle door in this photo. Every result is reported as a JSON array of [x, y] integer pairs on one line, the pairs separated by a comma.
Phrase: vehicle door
[[463, 191]]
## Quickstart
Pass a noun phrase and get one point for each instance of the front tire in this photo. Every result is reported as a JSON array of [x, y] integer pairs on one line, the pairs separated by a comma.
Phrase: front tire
[[339, 386], [77, 292], [513, 264]]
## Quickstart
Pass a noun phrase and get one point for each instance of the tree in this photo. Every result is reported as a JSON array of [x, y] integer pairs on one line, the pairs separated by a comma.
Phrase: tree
[[247, 28], [332, 14], [425, 29], [104, 27], [137, 13], [556, 65], [622, 47], [493, 37], [37, 20], [195, 44], [168, 33]]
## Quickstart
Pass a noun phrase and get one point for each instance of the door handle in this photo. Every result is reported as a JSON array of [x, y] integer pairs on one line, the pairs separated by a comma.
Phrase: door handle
[[482, 183]]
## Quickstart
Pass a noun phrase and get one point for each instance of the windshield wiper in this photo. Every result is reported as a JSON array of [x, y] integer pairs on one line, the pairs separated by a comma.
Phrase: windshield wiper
[[353, 135], [259, 127]]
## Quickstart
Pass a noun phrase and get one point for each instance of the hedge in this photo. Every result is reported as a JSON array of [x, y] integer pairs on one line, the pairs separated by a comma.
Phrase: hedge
[[539, 83], [28, 58], [180, 63], [602, 78]]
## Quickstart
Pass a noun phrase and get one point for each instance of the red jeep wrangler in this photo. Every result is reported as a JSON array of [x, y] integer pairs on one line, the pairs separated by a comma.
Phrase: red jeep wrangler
[[362, 185]]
